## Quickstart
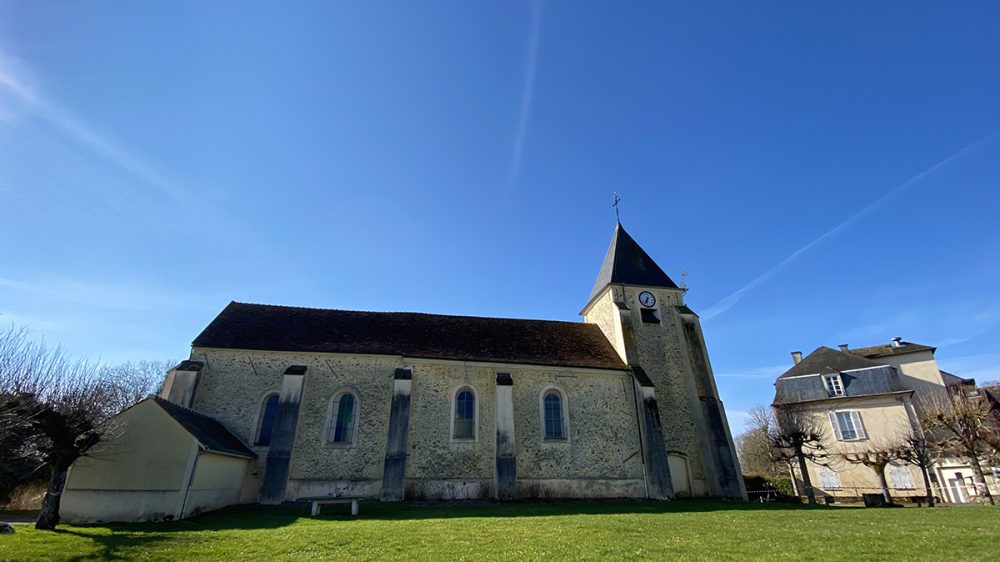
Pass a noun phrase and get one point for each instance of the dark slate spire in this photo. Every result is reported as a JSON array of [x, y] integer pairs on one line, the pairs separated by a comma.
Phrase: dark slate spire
[[627, 263]]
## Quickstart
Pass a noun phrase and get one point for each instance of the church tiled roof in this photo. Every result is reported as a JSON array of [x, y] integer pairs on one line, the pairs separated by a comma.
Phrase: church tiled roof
[[431, 336], [626, 262]]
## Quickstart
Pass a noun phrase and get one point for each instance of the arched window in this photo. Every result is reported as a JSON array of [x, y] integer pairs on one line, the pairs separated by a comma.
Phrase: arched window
[[265, 420], [464, 423], [343, 421], [553, 415]]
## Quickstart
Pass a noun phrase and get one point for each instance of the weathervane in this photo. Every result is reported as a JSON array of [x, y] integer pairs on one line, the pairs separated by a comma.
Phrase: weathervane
[[615, 201]]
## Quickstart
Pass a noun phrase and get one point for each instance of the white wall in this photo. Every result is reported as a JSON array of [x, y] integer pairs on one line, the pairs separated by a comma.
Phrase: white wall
[[144, 474]]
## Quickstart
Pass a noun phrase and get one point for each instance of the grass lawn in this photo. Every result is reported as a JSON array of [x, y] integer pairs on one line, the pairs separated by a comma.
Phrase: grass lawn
[[707, 530]]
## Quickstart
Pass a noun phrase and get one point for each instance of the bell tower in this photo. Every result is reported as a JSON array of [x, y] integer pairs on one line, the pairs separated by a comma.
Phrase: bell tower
[[686, 444]]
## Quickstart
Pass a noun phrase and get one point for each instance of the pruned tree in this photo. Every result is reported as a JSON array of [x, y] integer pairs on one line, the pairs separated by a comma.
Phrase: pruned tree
[[968, 426], [798, 436], [876, 456], [916, 448], [63, 408]]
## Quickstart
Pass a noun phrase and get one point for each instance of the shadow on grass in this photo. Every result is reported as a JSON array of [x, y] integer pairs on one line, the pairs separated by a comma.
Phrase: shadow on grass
[[268, 517], [117, 545], [550, 509]]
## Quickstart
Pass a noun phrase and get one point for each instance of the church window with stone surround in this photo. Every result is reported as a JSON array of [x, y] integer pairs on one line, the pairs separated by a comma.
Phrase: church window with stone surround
[[342, 425], [554, 426], [465, 415], [265, 424]]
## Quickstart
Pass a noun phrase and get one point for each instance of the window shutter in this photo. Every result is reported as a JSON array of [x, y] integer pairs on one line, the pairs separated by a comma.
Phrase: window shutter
[[836, 426], [900, 477], [858, 426], [906, 481]]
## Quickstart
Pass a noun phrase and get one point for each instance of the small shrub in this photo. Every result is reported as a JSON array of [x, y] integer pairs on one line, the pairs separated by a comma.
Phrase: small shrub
[[26, 497], [770, 488]]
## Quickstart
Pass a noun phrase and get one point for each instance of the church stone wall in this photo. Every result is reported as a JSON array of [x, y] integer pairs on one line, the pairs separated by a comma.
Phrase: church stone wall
[[350, 470], [660, 350], [600, 458], [664, 357], [604, 313], [234, 383], [437, 466]]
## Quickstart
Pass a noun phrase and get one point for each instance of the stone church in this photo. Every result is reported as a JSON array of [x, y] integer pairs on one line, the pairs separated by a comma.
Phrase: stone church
[[278, 403]]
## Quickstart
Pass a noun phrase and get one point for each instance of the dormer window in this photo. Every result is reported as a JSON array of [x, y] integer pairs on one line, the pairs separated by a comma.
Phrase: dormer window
[[834, 385]]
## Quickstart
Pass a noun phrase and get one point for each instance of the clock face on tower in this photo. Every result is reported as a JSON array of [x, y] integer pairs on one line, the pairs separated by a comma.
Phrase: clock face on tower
[[647, 299]]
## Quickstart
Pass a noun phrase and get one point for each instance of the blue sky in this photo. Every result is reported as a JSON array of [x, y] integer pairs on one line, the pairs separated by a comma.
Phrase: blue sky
[[826, 173]]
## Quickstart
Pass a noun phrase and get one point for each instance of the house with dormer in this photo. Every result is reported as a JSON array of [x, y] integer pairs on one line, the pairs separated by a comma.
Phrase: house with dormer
[[868, 398]]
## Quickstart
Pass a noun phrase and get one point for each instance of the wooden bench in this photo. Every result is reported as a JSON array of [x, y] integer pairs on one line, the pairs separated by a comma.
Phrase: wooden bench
[[319, 501]]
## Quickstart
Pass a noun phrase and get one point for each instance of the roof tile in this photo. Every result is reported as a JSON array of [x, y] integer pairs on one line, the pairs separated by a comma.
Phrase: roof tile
[[431, 336]]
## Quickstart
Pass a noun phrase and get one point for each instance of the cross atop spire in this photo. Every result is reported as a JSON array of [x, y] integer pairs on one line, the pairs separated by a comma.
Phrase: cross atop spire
[[615, 200]]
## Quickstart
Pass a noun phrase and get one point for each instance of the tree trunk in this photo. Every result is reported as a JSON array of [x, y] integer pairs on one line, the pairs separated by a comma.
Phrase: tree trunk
[[978, 478], [885, 486], [806, 482], [791, 473], [48, 517], [927, 486]]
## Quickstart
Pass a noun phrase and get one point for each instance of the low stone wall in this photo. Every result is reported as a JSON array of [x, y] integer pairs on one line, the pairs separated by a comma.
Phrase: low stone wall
[[557, 488], [298, 488]]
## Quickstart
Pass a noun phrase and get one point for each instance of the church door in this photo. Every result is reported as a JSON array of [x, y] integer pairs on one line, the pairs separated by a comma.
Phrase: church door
[[679, 475]]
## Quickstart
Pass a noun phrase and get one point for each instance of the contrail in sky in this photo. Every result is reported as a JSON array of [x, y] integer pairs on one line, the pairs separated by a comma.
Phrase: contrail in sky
[[527, 94], [12, 83], [731, 300]]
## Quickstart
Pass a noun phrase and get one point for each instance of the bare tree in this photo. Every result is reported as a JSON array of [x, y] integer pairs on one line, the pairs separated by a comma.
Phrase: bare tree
[[917, 449], [754, 448], [966, 425], [132, 381], [796, 437], [877, 457], [63, 407]]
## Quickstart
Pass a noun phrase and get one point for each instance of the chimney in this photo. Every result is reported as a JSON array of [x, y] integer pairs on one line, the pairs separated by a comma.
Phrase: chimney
[[181, 381], [843, 347], [796, 357], [897, 342]]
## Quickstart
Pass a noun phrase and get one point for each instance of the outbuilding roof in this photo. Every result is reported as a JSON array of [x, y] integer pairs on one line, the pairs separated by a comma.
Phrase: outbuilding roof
[[209, 431], [431, 336]]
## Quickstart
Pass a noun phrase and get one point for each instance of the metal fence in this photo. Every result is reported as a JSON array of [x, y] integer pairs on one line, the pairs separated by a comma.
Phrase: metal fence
[[850, 494]]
